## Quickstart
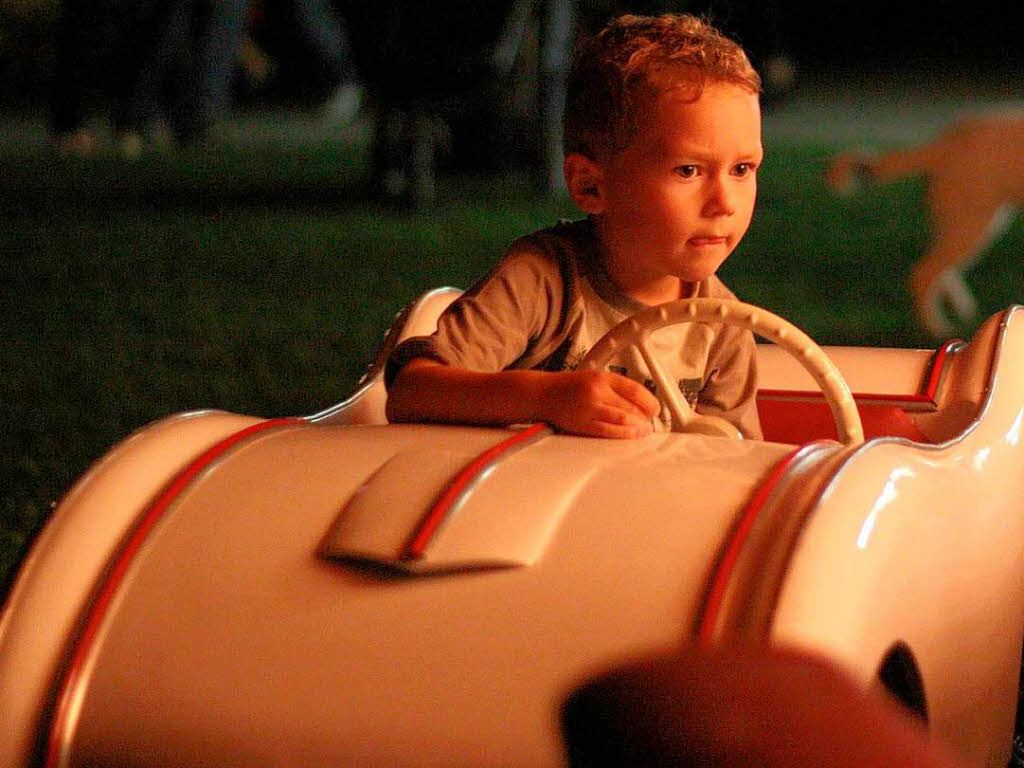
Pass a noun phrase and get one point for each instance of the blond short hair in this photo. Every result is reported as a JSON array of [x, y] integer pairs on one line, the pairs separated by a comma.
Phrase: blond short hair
[[617, 74]]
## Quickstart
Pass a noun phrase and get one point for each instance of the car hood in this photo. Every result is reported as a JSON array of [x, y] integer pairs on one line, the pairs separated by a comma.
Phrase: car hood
[[247, 626]]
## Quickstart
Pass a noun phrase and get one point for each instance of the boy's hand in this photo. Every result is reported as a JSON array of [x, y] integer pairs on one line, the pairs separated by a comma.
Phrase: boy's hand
[[598, 404]]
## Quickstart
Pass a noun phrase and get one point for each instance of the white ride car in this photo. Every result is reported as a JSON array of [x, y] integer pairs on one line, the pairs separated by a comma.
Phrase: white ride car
[[225, 590]]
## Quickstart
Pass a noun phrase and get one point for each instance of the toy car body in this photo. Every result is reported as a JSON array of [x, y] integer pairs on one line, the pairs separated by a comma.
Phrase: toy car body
[[225, 590]]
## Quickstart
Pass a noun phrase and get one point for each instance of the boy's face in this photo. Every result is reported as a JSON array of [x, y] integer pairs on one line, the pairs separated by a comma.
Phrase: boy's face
[[677, 201]]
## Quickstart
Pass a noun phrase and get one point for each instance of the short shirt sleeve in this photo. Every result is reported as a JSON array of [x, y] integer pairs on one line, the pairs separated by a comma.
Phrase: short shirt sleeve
[[505, 320]]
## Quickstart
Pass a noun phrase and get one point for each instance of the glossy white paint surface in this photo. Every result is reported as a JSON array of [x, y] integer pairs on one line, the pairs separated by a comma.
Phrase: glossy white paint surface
[[925, 545], [246, 631], [56, 580], [866, 370]]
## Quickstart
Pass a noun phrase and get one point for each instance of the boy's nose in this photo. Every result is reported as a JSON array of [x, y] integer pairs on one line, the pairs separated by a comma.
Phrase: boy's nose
[[720, 200]]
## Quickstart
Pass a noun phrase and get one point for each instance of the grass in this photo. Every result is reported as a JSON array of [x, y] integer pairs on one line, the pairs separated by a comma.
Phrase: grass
[[259, 280]]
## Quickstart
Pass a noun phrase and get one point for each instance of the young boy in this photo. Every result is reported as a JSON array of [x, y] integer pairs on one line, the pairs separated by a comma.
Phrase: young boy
[[663, 141]]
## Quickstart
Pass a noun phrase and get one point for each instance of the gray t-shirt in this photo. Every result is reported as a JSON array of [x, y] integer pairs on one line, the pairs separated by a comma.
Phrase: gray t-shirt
[[548, 301]]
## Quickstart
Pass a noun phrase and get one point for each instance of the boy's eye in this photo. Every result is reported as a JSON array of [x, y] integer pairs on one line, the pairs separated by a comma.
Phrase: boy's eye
[[687, 171], [744, 169]]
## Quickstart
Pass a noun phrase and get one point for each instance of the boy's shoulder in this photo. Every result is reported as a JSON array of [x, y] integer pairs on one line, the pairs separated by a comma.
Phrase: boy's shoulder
[[574, 236], [563, 249], [544, 261]]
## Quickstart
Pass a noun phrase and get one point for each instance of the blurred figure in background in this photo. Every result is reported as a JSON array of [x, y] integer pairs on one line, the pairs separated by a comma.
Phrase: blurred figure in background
[[473, 85], [307, 40], [312, 52], [179, 64], [160, 74], [85, 37]]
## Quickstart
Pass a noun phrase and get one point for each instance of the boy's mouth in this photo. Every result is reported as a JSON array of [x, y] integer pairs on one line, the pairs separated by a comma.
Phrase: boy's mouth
[[702, 240]]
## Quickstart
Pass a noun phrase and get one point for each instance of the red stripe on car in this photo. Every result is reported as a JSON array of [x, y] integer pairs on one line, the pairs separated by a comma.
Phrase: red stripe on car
[[436, 515], [69, 696]]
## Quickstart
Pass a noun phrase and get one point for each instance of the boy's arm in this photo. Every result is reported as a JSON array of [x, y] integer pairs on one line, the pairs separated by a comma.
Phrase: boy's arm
[[595, 403]]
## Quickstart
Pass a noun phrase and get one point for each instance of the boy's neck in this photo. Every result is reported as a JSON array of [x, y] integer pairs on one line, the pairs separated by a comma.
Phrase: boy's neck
[[643, 288], [652, 292]]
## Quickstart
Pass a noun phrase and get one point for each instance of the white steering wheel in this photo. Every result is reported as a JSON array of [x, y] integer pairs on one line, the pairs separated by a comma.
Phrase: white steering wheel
[[636, 330]]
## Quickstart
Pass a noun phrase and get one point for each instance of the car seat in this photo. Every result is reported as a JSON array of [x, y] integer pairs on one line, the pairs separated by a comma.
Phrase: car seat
[[366, 405]]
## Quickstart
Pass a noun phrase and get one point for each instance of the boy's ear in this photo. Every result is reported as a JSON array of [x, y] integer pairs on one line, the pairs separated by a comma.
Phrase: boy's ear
[[584, 179]]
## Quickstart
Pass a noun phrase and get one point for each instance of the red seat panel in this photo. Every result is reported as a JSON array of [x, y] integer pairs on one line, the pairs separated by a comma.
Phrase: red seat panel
[[801, 421]]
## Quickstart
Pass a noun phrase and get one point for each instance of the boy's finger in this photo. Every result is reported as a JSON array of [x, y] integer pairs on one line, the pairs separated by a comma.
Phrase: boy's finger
[[626, 431], [637, 394], [627, 416]]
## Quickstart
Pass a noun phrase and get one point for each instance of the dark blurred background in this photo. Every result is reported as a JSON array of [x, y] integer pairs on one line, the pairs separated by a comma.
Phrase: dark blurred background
[[818, 35]]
